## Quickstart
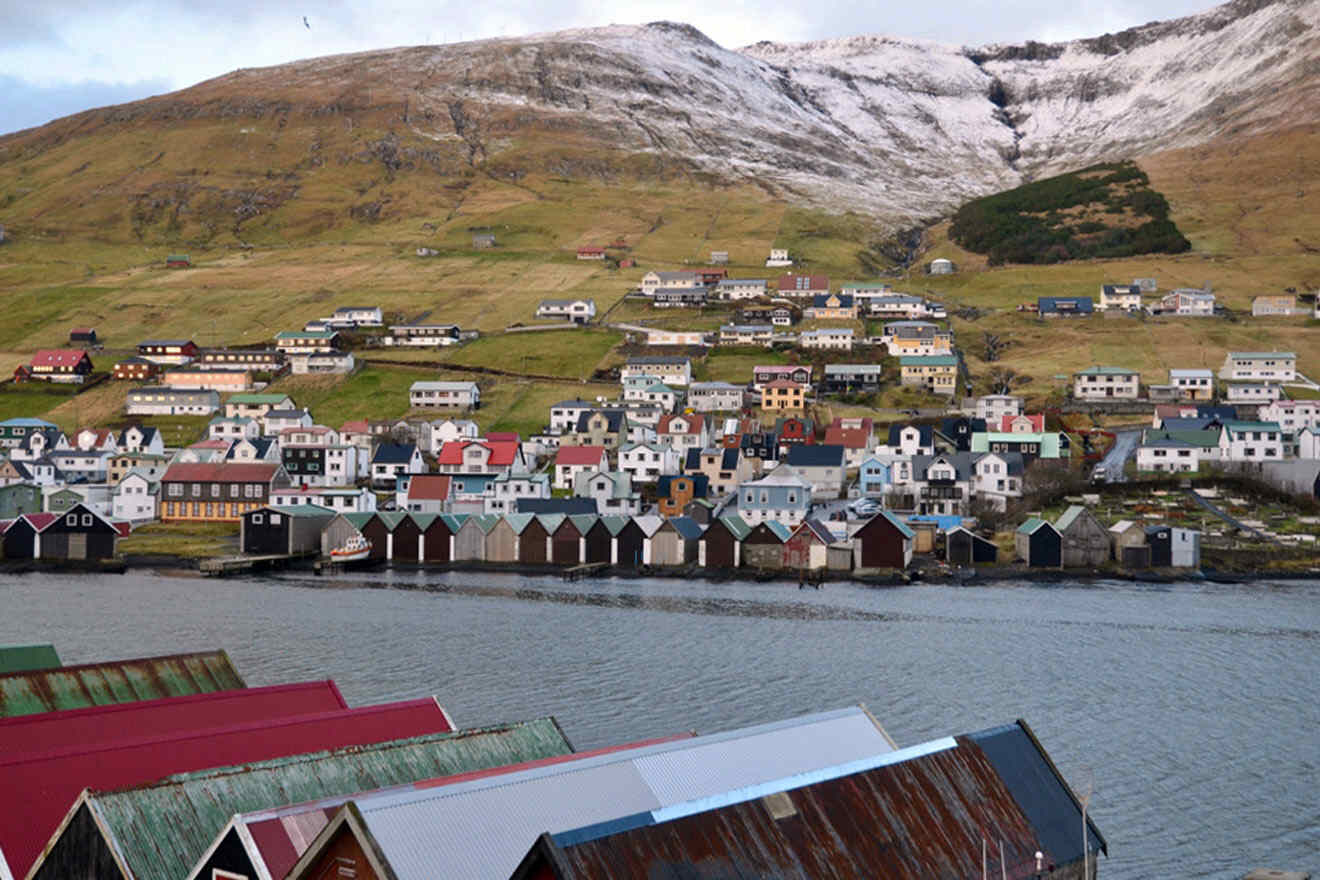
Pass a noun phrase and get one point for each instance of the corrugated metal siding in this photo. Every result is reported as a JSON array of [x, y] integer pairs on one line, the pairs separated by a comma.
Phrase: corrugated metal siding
[[118, 681], [27, 658], [482, 829], [922, 818], [162, 830]]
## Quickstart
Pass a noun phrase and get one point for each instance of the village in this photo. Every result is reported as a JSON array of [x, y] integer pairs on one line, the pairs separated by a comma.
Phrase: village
[[675, 473]]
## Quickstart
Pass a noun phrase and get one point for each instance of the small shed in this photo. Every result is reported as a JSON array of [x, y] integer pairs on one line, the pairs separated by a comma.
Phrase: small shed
[[690, 532], [406, 540], [1124, 534], [79, 533], [721, 543], [436, 531], [1174, 548], [502, 540], [178, 261], [483, 240], [377, 531], [629, 541], [1039, 544], [534, 539], [839, 556], [924, 532], [1085, 540], [566, 543], [941, 266], [669, 543], [82, 336], [807, 548], [883, 541], [285, 530], [763, 547], [719, 258], [963, 547], [599, 540], [470, 540]]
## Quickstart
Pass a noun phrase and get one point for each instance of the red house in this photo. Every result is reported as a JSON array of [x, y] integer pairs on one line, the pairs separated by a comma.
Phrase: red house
[[56, 365], [590, 252]]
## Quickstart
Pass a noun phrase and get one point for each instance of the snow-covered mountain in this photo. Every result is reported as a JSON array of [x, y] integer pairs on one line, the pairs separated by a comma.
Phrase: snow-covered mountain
[[899, 128]]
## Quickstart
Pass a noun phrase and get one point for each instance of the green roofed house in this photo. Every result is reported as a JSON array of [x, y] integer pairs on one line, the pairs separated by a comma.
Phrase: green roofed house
[[116, 681], [178, 261], [27, 658], [166, 829], [1039, 544], [1106, 383], [934, 372], [249, 405]]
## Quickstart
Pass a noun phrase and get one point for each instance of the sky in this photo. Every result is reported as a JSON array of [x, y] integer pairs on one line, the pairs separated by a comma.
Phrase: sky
[[59, 57]]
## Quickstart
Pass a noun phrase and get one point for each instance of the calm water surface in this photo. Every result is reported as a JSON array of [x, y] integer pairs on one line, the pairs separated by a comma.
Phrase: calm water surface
[[1191, 710]]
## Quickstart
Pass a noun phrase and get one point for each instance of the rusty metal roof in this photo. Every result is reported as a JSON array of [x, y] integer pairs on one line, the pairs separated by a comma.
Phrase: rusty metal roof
[[925, 817], [161, 830], [116, 681], [27, 658]]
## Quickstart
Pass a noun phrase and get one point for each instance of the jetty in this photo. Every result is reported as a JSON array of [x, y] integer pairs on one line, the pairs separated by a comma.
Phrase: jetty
[[587, 569], [225, 566]]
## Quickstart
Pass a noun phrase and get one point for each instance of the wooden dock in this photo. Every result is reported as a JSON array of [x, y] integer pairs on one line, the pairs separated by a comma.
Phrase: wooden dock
[[230, 565], [577, 572]]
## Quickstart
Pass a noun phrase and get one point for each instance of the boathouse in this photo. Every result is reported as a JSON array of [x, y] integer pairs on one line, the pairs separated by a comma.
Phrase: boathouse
[[290, 530], [502, 541], [629, 541], [599, 542], [763, 547], [565, 543], [1038, 544], [406, 539], [883, 541], [1085, 541], [962, 547], [533, 540], [807, 548], [721, 543]]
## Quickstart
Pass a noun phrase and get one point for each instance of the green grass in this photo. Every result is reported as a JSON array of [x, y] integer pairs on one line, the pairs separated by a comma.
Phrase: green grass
[[572, 354], [194, 540], [31, 399]]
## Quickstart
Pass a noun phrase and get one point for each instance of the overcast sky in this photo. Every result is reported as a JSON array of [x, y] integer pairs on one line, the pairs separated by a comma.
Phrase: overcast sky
[[61, 56]]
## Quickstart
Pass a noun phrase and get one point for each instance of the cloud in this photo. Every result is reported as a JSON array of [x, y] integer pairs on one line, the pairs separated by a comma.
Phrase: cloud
[[27, 104]]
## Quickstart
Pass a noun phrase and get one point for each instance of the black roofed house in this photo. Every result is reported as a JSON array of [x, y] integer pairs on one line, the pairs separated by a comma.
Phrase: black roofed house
[[960, 429], [78, 533], [287, 530], [393, 459], [822, 465], [1039, 544], [962, 547], [82, 336], [1085, 540]]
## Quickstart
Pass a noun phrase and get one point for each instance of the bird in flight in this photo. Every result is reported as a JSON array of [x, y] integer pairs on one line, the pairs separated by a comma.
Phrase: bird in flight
[[309, 27]]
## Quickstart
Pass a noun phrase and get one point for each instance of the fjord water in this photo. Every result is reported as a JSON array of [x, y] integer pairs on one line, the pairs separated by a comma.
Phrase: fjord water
[[1190, 710]]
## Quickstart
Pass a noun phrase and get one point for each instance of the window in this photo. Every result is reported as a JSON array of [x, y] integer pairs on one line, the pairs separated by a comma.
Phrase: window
[[71, 519], [197, 490]]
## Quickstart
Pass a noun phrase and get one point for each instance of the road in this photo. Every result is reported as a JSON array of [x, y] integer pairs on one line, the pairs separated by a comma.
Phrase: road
[[1125, 444]]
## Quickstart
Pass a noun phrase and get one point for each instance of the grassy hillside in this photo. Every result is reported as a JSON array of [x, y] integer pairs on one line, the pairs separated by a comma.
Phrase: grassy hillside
[[76, 259], [1103, 211]]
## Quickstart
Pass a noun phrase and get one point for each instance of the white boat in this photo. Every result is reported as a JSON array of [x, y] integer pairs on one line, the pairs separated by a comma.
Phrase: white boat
[[355, 548]]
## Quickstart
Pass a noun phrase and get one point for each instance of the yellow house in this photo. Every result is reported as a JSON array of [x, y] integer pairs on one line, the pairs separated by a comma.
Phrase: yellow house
[[917, 347], [783, 396], [937, 373]]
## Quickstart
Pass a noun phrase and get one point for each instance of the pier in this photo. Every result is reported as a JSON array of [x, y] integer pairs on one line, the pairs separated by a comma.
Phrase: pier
[[577, 572], [230, 565]]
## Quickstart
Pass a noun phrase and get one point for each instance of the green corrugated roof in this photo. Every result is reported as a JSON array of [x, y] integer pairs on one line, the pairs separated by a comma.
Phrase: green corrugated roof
[[928, 360], [615, 522], [782, 532], [487, 521], [357, 520], [118, 681], [898, 524], [161, 830], [1066, 520], [306, 334], [551, 521], [585, 522], [303, 510], [26, 658], [737, 525], [519, 521], [423, 520], [454, 520], [391, 518], [1031, 525], [256, 399], [1106, 371]]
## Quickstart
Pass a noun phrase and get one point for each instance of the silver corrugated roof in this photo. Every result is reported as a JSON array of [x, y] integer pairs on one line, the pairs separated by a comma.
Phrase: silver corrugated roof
[[483, 828]]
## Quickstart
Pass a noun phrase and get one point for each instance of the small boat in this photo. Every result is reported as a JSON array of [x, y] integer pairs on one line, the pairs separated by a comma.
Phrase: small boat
[[355, 548]]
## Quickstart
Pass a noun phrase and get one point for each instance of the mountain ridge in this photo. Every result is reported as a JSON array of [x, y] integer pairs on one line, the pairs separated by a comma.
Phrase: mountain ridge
[[903, 130]]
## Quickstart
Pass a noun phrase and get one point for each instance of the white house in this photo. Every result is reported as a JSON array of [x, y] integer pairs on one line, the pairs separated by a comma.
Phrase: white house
[[683, 431], [747, 334], [780, 496], [137, 438], [1259, 366], [1193, 384], [657, 393], [1251, 392], [993, 407], [1308, 444], [673, 371], [648, 462], [502, 494], [828, 338], [135, 498], [997, 478], [157, 400], [579, 311], [1251, 441], [348, 317], [1173, 452], [452, 395], [571, 461], [222, 428], [681, 280], [716, 396], [564, 415], [339, 500], [611, 490], [277, 421], [1188, 302], [423, 335], [778, 258], [1106, 383], [1293, 416], [392, 459], [446, 430], [1120, 297], [678, 337], [735, 289]]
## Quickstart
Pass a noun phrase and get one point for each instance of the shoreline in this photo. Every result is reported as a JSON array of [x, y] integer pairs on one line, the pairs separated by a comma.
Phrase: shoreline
[[187, 566]]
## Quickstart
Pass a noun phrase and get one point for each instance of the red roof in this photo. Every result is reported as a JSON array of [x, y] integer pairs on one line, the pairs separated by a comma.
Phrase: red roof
[[591, 249], [123, 528], [281, 840], [52, 781], [82, 330], [215, 443], [1037, 422], [580, 455], [859, 437], [221, 472], [804, 282], [783, 383], [39, 521], [359, 426], [502, 453], [58, 357], [428, 487], [694, 424], [503, 437], [117, 722]]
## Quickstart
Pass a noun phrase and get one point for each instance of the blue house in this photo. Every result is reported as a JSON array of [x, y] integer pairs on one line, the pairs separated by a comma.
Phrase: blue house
[[873, 477], [1065, 306], [780, 496]]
